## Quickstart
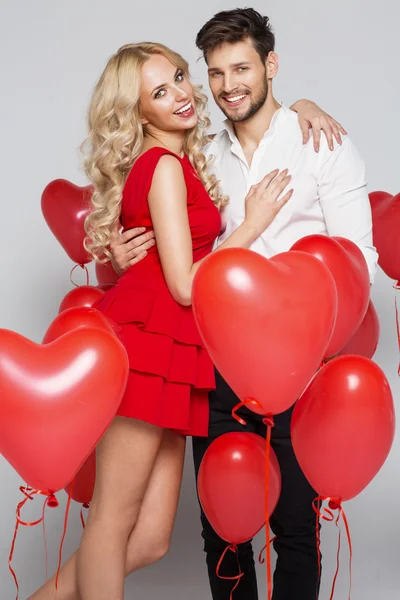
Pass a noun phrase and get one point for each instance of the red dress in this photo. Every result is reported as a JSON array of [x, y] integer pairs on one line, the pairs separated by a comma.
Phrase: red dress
[[170, 372]]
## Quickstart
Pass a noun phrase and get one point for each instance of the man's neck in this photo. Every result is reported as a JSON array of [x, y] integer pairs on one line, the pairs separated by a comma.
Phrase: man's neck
[[251, 132]]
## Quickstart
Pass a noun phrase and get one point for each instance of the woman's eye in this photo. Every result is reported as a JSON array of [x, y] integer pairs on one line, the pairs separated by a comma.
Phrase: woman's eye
[[179, 77], [159, 94]]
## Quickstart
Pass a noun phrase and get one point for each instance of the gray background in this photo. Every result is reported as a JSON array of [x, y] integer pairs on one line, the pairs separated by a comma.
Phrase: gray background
[[342, 54]]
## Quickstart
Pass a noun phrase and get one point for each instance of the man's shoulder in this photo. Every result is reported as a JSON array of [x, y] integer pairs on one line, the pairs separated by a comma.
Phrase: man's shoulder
[[291, 124], [346, 149], [290, 133]]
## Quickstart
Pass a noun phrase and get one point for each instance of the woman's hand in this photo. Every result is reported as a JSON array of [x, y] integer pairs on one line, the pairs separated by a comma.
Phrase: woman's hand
[[311, 116], [262, 204]]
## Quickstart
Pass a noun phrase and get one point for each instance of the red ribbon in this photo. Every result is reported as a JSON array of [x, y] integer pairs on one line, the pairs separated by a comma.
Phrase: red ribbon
[[85, 505], [29, 494], [46, 554], [237, 578], [397, 287], [261, 559], [269, 423], [84, 267], [64, 533], [328, 515], [248, 403]]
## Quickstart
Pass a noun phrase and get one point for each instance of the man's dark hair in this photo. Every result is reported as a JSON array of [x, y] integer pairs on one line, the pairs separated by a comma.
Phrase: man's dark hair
[[232, 26]]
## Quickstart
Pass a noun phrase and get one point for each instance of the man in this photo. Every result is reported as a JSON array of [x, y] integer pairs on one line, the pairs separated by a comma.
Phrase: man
[[329, 198]]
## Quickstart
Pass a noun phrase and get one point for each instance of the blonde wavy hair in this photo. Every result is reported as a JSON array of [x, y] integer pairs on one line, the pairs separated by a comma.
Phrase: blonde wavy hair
[[116, 136]]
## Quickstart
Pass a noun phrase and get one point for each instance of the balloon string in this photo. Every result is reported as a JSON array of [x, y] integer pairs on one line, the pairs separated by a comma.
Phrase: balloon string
[[337, 558], [318, 534], [397, 287], [236, 416], [85, 505], [269, 422], [346, 524], [237, 578], [247, 403], [64, 533], [84, 267], [29, 494], [46, 554], [261, 558], [327, 515]]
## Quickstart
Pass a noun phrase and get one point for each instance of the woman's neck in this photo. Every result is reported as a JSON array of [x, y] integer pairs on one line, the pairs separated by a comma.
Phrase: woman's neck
[[172, 140]]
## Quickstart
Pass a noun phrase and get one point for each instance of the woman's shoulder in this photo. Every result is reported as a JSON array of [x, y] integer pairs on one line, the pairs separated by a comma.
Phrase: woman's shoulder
[[149, 161], [168, 173]]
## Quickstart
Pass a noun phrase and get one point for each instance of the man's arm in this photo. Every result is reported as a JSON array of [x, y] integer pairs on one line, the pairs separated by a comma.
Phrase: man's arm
[[344, 200], [130, 247]]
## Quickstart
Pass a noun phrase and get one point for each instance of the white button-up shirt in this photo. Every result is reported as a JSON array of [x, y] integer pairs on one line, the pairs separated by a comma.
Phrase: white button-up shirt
[[330, 189]]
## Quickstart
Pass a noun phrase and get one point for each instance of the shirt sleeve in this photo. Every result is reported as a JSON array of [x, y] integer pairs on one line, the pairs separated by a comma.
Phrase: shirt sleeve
[[344, 200]]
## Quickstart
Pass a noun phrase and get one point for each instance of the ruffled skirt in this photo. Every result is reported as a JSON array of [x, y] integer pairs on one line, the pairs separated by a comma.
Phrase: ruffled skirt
[[170, 371]]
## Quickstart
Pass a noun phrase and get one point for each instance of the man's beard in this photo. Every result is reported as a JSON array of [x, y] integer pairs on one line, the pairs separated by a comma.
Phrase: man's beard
[[253, 108]]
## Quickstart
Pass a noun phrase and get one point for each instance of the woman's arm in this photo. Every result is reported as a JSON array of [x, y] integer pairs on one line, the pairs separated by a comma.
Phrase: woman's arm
[[168, 209]]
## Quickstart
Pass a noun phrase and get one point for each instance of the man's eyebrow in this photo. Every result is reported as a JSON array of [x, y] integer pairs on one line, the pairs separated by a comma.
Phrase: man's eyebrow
[[234, 66], [163, 84]]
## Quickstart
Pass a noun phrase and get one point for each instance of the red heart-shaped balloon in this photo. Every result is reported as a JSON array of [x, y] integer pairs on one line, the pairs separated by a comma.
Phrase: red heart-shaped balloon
[[79, 316], [84, 295], [386, 231], [65, 207], [105, 273], [266, 323], [365, 340], [56, 401], [348, 266]]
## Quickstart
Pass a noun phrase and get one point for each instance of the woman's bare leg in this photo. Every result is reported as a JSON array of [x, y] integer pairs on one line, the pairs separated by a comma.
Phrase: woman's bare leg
[[126, 457], [149, 540]]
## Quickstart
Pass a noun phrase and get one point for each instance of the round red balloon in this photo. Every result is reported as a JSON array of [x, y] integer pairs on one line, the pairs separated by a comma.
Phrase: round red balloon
[[57, 400], [231, 485], [348, 266], [84, 295], [266, 323], [386, 222], [365, 340], [105, 273], [343, 427], [105, 287], [83, 484], [65, 207], [79, 316]]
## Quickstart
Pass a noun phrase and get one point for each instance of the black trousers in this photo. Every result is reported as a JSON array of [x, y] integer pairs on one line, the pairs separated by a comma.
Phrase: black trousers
[[293, 522]]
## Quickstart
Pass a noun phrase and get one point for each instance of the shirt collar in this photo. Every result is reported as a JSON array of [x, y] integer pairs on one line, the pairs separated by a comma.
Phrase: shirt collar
[[277, 119]]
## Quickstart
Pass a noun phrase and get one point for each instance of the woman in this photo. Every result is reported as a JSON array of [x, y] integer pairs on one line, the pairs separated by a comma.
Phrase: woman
[[147, 127]]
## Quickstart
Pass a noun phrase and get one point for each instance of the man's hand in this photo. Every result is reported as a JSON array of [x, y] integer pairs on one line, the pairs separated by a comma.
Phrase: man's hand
[[313, 117], [129, 247]]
